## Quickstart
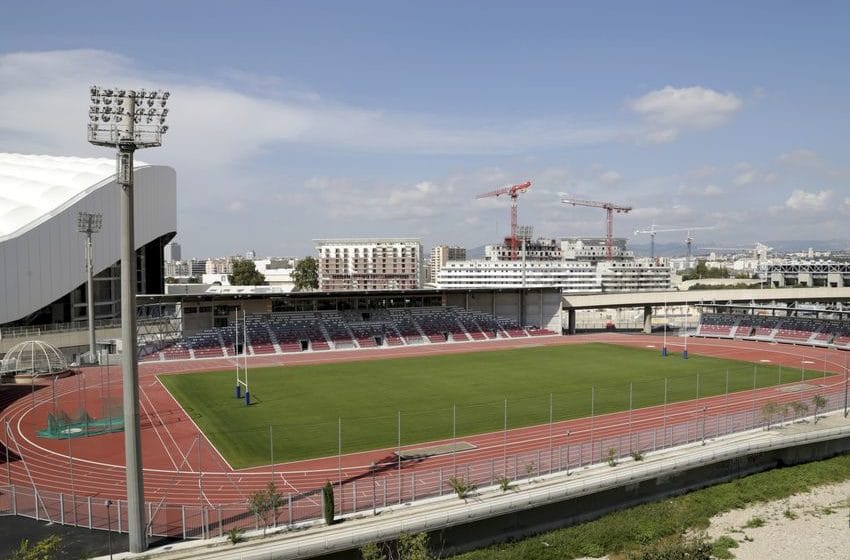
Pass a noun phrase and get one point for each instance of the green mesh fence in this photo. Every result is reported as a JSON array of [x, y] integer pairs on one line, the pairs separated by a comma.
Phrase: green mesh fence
[[62, 426]]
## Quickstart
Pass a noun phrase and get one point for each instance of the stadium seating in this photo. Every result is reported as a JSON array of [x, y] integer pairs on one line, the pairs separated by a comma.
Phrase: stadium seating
[[790, 330], [286, 332]]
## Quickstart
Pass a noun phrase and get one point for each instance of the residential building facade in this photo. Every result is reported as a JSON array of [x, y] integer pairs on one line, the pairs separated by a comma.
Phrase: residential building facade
[[369, 264]]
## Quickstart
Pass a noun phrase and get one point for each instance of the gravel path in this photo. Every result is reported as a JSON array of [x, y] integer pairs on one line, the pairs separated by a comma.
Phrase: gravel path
[[814, 526]]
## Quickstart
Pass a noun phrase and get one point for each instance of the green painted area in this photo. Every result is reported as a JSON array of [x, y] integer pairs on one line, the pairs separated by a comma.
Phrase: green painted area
[[438, 394]]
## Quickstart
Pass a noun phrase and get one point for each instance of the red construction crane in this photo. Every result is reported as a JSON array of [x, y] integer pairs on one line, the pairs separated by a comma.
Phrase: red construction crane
[[609, 209], [513, 191]]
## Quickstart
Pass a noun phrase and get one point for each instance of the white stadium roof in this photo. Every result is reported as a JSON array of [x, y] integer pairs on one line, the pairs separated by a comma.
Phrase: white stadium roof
[[35, 187]]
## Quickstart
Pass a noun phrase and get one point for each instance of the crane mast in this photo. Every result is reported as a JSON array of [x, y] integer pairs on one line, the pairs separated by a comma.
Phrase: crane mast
[[513, 191], [609, 208], [653, 229]]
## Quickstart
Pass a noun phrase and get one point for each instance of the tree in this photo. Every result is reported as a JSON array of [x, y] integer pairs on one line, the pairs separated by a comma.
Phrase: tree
[[306, 275], [264, 504], [245, 274], [328, 502], [46, 549], [820, 403]]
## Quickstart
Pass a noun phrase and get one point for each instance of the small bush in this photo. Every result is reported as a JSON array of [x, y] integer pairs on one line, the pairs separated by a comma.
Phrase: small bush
[[611, 457], [234, 536], [675, 548], [637, 455], [720, 547], [505, 484], [461, 487], [754, 522]]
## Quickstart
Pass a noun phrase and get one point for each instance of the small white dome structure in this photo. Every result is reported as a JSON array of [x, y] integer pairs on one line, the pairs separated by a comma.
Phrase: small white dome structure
[[32, 359]]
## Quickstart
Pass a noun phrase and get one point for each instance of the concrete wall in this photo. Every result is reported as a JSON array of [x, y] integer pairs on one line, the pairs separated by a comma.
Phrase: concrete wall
[[529, 307]]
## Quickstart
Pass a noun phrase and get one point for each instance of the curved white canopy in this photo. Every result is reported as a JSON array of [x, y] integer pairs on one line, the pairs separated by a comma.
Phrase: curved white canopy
[[34, 187]]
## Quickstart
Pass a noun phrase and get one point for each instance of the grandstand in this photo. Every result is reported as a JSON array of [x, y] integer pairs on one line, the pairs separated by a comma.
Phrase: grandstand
[[768, 328], [303, 331]]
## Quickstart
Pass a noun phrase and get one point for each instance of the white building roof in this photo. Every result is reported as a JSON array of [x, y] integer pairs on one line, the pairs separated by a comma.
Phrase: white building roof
[[35, 187]]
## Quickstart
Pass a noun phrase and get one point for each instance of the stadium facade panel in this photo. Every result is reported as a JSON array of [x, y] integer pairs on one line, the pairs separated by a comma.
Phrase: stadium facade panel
[[42, 254]]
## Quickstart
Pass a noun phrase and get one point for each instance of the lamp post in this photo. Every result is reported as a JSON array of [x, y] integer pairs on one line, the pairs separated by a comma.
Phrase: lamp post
[[108, 503], [89, 223], [129, 120]]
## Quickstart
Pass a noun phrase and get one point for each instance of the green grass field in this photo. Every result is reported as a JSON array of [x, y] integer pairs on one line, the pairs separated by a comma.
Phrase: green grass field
[[304, 404]]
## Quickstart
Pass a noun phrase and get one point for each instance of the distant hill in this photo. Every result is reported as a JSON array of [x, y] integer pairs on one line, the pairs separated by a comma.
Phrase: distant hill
[[678, 249]]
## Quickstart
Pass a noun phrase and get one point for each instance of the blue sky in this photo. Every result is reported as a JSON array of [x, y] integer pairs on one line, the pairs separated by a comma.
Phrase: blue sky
[[301, 120]]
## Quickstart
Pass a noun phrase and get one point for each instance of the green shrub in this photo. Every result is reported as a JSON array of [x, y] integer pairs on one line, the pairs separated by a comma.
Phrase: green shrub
[[720, 547], [461, 487], [505, 484], [328, 502], [754, 523], [611, 457]]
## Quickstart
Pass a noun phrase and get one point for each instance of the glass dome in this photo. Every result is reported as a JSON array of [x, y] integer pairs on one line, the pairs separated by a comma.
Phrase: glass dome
[[32, 359]]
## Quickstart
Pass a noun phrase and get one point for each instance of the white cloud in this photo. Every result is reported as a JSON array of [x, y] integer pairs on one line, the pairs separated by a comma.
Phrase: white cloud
[[610, 177], [44, 96], [808, 201], [670, 110], [708, 191], [803, 158], [749, 175]]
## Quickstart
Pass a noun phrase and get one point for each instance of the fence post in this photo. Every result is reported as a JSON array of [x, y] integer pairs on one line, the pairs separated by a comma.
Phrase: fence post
[[413, 486], [35, 494], [118, 509], [89, 507], [354, 496], [440, 491], [150, 520], [62, 508], [183, 520], [289, 507], [14, 501]]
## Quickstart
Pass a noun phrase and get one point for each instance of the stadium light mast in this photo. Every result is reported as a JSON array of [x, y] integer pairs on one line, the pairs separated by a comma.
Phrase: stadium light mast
[[129, 120], [89, 223]]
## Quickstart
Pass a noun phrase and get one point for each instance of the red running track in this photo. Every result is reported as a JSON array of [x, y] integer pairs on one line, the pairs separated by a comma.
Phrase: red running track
[[181, 467]]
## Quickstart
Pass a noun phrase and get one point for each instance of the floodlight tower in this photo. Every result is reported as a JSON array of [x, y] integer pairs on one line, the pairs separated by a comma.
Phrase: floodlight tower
[[129, 120], [89, 223]]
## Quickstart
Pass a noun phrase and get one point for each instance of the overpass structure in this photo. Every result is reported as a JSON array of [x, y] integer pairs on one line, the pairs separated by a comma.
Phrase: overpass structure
[[705, 298]]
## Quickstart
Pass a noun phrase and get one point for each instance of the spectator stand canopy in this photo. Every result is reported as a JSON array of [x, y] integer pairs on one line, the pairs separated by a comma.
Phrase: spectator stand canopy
[[42, 255]]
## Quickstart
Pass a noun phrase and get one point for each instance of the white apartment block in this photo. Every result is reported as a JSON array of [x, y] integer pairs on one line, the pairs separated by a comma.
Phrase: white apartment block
[[569, 276], [220, 265], [176, 269], [593, 249], [369, 264], [634, 276], [541, 249], [440, 255]]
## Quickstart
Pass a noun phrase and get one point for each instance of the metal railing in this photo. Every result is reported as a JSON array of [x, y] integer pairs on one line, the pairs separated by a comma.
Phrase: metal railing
[[392, 484]]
